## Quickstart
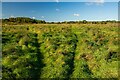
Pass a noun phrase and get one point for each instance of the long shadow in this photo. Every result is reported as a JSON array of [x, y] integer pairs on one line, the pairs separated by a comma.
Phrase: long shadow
[[38, 65], [71, 62]]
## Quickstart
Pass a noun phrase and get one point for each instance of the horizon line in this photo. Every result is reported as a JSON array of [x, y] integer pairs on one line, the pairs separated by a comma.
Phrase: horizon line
[[66, 20]]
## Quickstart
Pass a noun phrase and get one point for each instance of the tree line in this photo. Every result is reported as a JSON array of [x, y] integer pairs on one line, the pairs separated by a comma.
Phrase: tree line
[[25, 20], [21, 20]]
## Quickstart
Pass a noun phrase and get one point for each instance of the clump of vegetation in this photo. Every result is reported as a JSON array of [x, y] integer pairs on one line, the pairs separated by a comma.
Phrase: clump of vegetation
[[60, 51]]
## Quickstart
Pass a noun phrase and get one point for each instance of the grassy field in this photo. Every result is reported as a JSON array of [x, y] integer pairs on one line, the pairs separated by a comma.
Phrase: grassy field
[[60, 51]]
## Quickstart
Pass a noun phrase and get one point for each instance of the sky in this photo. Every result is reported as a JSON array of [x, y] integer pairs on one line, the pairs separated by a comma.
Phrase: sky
[[62, 11], [60, 0]]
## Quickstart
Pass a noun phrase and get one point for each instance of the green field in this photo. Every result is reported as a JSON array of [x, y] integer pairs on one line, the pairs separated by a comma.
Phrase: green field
[[60, 51]]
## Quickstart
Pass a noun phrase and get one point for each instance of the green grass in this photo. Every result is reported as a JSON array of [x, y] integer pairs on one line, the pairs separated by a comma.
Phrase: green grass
[[60, 51]]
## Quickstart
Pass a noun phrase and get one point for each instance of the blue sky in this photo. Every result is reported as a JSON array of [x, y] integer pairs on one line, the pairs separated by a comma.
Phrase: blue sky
[[59, 0], [62, 11]]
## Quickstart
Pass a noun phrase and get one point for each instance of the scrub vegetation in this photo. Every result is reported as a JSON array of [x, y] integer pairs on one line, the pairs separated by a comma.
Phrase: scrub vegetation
[[60, 50]]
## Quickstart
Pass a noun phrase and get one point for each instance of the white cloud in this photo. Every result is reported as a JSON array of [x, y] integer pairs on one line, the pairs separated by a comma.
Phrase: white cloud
[[97, 1], [76, 14], [100, 1], [94, 2], [89, 3], [57, 1], [57, 9], [12, 16], [42, 17], [33, 17]]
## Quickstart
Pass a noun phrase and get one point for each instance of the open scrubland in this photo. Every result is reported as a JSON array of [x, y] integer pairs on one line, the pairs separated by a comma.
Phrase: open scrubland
[[60, 51]]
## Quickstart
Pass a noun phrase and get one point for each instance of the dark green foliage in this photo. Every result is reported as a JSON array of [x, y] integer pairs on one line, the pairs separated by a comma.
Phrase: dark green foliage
[[21, 20]]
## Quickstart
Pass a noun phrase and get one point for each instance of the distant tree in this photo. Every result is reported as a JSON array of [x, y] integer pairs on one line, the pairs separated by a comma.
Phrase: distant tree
[[103, 22], [84, 21]]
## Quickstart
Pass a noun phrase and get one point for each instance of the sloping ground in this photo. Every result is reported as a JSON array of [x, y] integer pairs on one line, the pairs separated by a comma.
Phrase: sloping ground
[[60, 51]]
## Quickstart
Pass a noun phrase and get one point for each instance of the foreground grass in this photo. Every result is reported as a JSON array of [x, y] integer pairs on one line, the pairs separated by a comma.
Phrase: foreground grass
[[60, 51]]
